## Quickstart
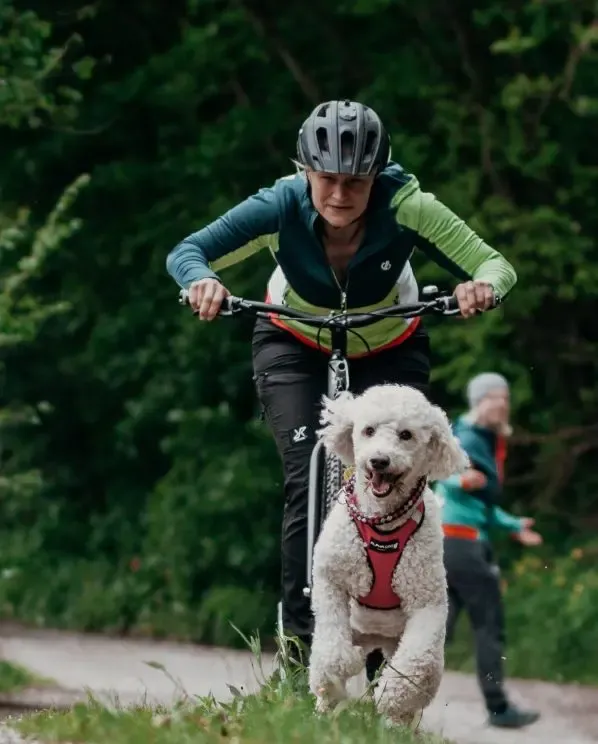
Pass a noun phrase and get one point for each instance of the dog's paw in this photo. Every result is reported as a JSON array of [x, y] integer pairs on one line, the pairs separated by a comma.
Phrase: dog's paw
[[351, 661], [396, 704], [346, 661], [332, 665], [390, 699], [328, 697], [408, 720]]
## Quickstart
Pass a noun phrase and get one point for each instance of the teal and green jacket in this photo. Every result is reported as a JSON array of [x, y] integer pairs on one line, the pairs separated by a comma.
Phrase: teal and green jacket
[[478, 509], [400, 218]]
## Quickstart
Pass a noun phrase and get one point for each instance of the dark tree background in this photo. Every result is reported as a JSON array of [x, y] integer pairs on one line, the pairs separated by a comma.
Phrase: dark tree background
[[138, 489]]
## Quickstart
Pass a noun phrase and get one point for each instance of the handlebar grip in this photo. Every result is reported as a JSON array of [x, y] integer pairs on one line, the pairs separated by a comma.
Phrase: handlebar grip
[[225, 309], [452, 303]]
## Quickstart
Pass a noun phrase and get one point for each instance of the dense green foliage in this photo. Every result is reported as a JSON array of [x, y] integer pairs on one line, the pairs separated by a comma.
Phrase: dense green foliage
[[563, 592], [138, 489]]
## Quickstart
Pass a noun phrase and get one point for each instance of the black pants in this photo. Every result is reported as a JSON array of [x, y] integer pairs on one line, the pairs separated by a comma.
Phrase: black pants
[[291, 378], [474, 585]]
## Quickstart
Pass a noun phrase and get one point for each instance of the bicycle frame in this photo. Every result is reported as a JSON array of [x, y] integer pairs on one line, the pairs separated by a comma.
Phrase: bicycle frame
[[338, 382]]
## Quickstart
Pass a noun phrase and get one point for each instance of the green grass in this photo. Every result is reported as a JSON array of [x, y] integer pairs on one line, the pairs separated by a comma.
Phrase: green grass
[[14, 678], [275, 716], [282, 712]]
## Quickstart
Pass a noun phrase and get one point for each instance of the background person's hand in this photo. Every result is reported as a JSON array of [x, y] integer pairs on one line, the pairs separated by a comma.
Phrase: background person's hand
[[527, 522], [528, 537], [473, 480], [206, 296], [473, 296]]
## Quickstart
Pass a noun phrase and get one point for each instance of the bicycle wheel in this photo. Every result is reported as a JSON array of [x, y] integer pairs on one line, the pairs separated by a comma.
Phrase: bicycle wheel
[[332, 481], [332, 470]]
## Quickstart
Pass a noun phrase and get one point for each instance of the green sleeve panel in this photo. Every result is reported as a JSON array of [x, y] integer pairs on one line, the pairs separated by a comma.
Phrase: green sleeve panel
[[254, 246], [449, 241]]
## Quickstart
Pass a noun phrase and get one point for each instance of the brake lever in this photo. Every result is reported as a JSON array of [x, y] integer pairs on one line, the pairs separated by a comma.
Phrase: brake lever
[[226, 308]]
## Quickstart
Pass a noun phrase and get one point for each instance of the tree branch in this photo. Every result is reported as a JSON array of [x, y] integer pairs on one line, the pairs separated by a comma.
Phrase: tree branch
[[565, 467], [575, 56], [471, 68], [304, 81], [521, 436], [486, 157], [243, 100]]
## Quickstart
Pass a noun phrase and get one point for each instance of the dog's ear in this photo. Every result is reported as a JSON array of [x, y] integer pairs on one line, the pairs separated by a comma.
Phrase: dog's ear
[[446, 456], [337, 430]]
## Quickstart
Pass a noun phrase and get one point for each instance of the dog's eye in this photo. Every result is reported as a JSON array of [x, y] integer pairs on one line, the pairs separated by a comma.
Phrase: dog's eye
[[369, 431], [405, 435]]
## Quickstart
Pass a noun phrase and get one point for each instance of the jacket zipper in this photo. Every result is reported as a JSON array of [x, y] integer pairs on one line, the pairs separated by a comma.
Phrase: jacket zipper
[[343, 291], [340, 289]]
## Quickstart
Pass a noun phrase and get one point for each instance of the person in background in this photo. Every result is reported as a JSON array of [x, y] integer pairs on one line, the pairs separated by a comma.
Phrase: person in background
[[469, 512]]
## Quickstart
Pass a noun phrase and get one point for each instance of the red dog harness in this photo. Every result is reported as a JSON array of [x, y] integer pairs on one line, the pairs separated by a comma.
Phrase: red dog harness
[[384, 549]]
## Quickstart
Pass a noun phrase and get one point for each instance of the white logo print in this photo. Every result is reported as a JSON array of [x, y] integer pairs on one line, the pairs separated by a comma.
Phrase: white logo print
[[300, 434], [385, 265]]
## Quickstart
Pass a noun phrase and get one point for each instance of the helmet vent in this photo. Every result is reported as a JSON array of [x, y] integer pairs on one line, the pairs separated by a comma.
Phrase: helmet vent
[[322, 137], [347, 147], [370, 144]]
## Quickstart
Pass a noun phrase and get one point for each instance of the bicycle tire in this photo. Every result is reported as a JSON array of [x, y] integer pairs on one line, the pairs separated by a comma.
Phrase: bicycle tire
[[332, 481]]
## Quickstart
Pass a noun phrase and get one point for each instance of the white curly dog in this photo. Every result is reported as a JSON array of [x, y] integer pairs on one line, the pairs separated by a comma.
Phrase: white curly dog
[[378, 573]]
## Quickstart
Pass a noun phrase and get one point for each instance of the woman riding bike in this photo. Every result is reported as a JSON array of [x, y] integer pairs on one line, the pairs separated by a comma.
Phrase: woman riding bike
[[341, 230]]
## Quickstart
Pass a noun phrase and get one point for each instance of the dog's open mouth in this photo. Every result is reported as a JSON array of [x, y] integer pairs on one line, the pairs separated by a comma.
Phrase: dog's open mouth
[[381, 484]]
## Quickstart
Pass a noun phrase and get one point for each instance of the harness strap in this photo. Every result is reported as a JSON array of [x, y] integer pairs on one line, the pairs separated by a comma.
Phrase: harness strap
[[384, 550]]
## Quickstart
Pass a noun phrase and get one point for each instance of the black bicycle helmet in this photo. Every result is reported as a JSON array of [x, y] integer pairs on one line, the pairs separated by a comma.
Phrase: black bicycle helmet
[[343, 137]]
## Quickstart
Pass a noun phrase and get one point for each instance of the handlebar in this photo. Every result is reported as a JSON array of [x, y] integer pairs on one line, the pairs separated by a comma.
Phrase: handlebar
[[438, 303]]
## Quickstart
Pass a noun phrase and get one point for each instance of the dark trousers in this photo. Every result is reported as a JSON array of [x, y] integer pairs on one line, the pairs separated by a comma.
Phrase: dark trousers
[[474, 585], [291, 379]]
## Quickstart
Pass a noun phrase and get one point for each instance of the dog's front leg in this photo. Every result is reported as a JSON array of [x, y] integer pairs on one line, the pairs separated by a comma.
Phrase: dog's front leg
[[412, 677], [334, 658]]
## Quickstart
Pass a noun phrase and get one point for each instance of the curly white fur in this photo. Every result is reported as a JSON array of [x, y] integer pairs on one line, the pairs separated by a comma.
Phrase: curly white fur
[[358, 429]]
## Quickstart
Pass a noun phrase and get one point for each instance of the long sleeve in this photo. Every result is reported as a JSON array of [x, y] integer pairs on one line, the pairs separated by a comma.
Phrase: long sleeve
[[506, 521], [449, 241], [242, 231]]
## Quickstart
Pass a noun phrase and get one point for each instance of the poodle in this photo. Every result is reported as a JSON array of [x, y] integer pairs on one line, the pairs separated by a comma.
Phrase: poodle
[[378, 572]]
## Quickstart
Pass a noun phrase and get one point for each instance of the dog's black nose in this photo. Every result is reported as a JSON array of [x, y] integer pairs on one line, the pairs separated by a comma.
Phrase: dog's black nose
[[379, 463]]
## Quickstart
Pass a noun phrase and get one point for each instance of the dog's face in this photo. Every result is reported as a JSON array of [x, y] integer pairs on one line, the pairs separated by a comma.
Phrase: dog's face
[[394, 436], [387, 448]]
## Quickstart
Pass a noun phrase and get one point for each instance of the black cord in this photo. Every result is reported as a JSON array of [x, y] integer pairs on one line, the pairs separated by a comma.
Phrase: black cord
[[330, 321], [361, 338], [320, 329]]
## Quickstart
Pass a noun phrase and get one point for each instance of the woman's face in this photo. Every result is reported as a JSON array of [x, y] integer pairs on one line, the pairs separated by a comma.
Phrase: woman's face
[[339, 199]]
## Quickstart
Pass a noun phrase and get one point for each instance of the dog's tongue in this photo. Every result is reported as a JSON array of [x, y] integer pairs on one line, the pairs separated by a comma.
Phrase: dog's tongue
[[378, 481]]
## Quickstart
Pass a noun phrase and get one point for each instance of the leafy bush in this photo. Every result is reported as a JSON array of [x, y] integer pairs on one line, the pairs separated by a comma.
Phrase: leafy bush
[[550, 605]]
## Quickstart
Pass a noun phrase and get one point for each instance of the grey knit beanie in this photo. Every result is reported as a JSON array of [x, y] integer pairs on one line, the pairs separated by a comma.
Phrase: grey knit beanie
[[480, 385]]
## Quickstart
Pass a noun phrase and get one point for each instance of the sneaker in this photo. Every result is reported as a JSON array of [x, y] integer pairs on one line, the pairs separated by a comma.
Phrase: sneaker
[[512, 717]]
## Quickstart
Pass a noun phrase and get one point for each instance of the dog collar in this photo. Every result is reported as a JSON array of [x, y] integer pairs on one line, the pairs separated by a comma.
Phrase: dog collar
[[354, 511]]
